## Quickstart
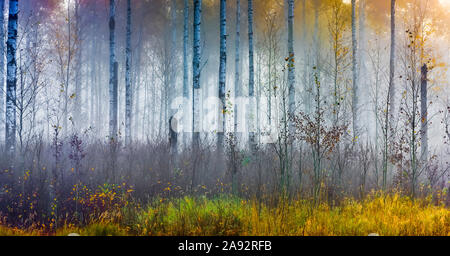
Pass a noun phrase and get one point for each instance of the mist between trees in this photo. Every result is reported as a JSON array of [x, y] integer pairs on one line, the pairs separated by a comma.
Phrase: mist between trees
[[312, 99], [236, 122]]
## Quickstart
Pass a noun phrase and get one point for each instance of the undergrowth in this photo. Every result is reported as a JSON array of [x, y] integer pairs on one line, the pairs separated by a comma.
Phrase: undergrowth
[[387, 215]]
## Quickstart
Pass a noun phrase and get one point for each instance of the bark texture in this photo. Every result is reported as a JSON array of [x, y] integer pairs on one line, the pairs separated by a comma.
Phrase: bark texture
[[11, 80], [196, 70], [128, 88], [222, 74], [251, 80], [113, 65]]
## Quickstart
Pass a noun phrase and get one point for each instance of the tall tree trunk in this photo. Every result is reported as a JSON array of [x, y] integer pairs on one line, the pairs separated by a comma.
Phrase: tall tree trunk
[[78, 100], [237, 95], [305, 57], [11, 80], [128, 89], [113, 66], [67, 82], [196, 72], [93, 84], [135, 99], [173, 122], [291, 63], [355, 99], [237, 60], [154, 130], [316, 59], [251, 79], [99, 91], [289, 126], [424, 112], [376, 111], [185, 65], [390, 105], [304, 27], [222, 74], [362, 83], [2, 62]]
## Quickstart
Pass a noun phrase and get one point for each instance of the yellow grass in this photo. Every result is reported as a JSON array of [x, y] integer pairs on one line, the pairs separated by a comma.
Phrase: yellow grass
[[385, 215]]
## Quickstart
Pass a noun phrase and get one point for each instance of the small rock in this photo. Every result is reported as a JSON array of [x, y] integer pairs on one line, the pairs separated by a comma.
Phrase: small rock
[[373, 234], [73, 234]]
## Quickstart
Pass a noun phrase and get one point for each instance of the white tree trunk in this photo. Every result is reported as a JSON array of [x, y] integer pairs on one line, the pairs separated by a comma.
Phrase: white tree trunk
[[391, 103], [79, 56], [128, 89], [113, 92], [93, 83], [222, 74], [173, 122], [67, 82], [251, 80], [11, 79], [2, 61], [185, 65], [291, 63], [389, 118], [196, 71], [362, 69], [355, 96], [424, 113], [237, 60]]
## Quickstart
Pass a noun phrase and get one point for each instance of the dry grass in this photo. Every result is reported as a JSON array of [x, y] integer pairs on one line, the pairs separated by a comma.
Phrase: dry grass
[[385, 215]]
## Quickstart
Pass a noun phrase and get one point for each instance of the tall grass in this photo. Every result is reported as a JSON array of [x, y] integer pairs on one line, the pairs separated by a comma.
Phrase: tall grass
[[387, 215]]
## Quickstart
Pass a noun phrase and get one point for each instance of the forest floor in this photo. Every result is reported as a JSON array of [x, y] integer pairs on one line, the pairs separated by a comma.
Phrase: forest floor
[[391, 215]]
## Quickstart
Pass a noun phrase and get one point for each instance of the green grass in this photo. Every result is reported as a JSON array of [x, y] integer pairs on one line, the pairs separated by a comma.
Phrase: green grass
[[226, 216]]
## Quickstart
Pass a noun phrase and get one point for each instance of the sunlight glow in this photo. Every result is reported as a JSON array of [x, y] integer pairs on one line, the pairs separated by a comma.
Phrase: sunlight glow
[[442, 2], [65, 3], [445, 2]]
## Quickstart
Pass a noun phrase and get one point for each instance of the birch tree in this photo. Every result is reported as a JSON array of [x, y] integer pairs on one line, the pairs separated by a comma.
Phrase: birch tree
[[237, 94], [222, 74], [251, 79], [11, 80], [362, 69], [337, 26], [185, 61], [237, 61], [78, 66], [355, 102], [390, 104], [66, 83], [173, 122], [2, 60], [424, 112], [128, 89], [113, 66], [291, 62], [196, 71]]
